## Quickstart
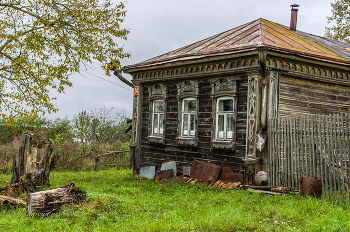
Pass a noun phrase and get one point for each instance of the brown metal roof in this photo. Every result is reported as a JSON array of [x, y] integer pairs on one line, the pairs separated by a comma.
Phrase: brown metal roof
[[249, 36]]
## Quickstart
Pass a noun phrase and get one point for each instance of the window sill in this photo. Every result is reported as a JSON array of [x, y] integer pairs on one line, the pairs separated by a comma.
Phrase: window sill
[[223, 144], [187, 141], [156, 139]]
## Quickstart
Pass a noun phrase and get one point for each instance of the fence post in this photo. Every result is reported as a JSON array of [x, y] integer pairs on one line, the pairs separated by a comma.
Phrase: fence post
[[97, 161], [118, 160]]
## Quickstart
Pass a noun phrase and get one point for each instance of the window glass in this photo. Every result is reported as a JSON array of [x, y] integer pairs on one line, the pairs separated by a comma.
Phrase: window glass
[[161, 119], [226, 105], [185, 124], [224, 117], [158, 117], [158, 106], [155, 123], [192, 125], [190, 105], [229, 129]]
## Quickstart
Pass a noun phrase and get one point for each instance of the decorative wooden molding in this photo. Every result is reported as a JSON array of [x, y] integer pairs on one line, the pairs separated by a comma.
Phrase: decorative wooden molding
[[315, 72], [305, 70], [252, 115], [158, 92], [194, 70], [273, 94], [188, 88]]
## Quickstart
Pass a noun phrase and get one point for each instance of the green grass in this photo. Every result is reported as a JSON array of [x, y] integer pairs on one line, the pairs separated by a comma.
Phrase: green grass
[[119, 202]]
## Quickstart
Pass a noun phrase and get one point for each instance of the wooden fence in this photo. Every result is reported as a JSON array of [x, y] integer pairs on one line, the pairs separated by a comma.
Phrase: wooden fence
[[313, 145], [121, 158]]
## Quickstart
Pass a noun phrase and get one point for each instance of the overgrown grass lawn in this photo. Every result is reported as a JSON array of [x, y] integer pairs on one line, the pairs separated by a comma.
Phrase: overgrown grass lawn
[[119, 202]]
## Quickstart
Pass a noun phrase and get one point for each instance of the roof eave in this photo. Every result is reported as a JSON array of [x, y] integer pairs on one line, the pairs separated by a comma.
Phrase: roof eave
[[193, 58]]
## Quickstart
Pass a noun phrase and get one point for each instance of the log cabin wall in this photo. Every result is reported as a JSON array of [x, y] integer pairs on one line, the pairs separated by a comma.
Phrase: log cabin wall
[[299, 96], [156, 154]]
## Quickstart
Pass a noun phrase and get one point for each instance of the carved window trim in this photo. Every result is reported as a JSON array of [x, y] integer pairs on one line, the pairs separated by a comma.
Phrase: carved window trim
[[187, 90], [224, 88], [158, 92]]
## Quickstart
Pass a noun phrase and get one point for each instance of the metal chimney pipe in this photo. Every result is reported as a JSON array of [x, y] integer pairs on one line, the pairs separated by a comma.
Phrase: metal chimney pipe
[[293, 18]]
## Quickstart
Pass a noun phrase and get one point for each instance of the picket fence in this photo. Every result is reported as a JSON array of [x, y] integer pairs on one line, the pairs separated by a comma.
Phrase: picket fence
[[311, 145]]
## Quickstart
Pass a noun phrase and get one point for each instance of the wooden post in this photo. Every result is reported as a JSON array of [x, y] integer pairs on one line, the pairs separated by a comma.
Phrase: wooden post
[[97, 161], [118, 160]]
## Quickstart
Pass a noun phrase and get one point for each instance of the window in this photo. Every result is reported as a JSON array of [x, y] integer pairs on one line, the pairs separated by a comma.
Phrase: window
[[187, 95], [158, 117], [189, 111], [224, 118], [224, 95], [157, 113]]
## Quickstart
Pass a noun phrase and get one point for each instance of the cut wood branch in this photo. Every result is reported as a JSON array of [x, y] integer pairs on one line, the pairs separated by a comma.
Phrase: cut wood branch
[[6, 200], [265, 192]]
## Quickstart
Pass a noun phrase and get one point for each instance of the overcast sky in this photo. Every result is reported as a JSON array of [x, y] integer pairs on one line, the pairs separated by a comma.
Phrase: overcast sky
[[159, 26]]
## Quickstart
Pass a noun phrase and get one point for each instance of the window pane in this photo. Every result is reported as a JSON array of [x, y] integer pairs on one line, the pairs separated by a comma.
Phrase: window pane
[[190, 105], [159, 106], [155, 124], [226, 105], [229, 129], [185, 124], [221, 126], [161, 120], [192, 125]]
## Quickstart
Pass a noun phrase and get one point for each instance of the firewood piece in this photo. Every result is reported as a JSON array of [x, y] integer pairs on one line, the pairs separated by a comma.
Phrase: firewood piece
[[12, 200], [264, 192], [282, 189], [47, 202], [35, 158]]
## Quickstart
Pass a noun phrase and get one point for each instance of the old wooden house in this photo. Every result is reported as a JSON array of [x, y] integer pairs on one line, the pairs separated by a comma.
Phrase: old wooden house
[[210, 101]]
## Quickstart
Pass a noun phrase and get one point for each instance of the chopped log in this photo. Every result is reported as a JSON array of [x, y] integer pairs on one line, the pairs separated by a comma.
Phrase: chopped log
[[264, 192], [35, 159], [6, 200], [48, 202]]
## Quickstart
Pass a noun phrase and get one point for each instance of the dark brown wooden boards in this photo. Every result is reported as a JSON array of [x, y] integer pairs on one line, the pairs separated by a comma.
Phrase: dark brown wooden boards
[[35, 159], [47, 202]]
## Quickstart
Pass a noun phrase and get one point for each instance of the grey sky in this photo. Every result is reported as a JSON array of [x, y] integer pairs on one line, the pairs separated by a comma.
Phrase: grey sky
[[159, 26]]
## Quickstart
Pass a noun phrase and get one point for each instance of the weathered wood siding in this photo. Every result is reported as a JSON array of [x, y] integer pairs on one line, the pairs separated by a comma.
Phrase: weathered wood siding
[[300, 96], [152, 154]]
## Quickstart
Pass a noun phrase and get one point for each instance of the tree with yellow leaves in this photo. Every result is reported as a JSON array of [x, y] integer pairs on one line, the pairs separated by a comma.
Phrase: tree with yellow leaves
[[42, 42], [340, 30]]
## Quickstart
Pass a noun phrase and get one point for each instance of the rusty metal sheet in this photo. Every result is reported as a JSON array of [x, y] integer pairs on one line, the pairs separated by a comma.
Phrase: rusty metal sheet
[[310, 186], [227, 175], [204, 171], [211, 173], [165, 174], [174, 180], [197, 170]]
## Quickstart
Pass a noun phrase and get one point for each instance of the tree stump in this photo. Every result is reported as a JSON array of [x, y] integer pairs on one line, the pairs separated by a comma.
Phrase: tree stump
[[48, 202], [35, 159]]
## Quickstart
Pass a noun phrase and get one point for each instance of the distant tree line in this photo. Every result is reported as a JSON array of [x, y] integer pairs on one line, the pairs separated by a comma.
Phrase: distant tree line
[[86, 127]]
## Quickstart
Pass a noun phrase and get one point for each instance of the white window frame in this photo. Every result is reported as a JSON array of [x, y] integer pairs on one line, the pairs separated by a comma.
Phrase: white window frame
[[189, 113], [159, 132], [225, 114]]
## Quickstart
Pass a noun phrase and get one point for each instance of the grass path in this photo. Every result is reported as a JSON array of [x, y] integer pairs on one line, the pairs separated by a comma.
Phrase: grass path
[[119, 202]]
